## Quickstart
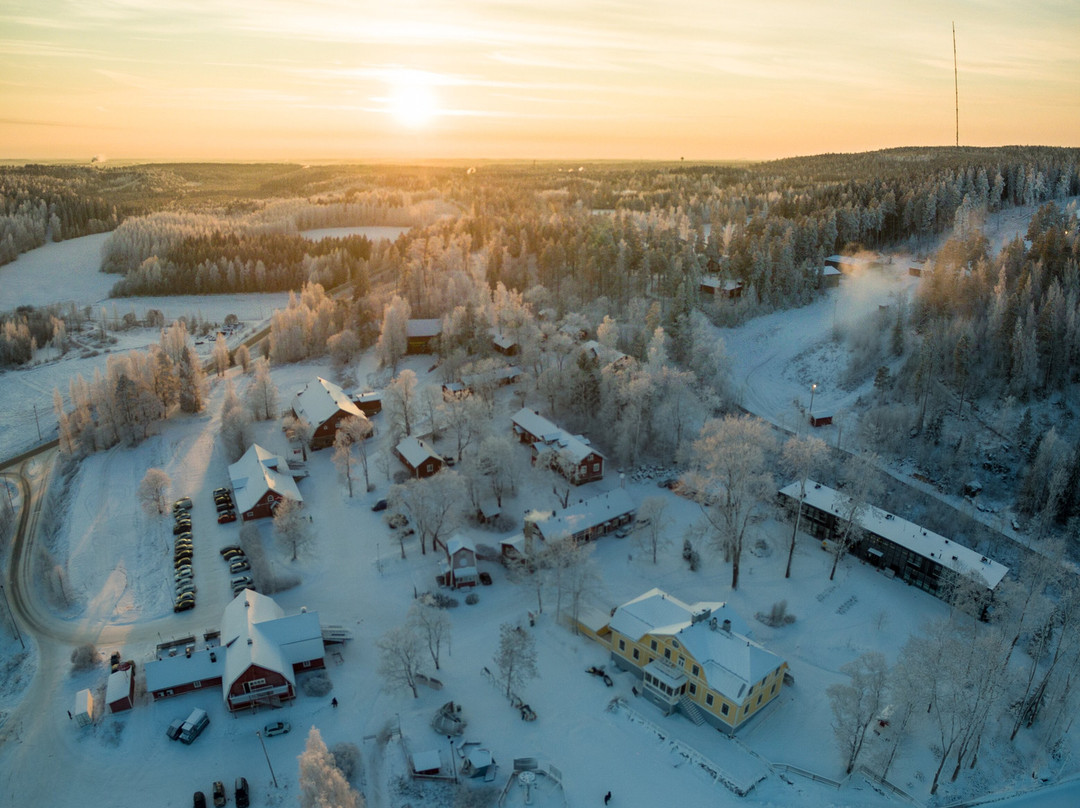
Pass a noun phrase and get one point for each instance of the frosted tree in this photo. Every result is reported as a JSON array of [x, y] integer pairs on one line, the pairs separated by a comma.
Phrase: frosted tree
[[291, 527], [351, 432], [262, 393], [465, 417], [856, 704], [401, 405], [800, 457], [165, 384], [431, 624], [192, 380], [393, 340], [728, 477], [243, 358], [174, 341], [401, 657], [650, 535], [343, 348], [301, 431], [607, 333], [237, 433], [322, 784], [515, 658], [153, 491], [221, 354], [861, 487], [433, 505], [497, 460]]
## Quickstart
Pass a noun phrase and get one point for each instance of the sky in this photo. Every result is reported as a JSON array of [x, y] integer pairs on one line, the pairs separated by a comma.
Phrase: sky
[[545, 79]]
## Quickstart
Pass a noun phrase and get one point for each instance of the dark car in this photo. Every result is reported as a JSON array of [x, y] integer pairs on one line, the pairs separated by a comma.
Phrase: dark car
[[242, 798], [233, 554], [381, 505], [223, 505], [219, 794], [181, 526], [231, 548], [239, 565], [221, 491], [184, 503], [200, 800], [184, 603], [174, 729], [226, 516]]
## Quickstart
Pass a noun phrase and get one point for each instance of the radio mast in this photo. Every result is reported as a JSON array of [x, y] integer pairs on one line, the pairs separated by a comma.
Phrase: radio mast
[[956, 84]]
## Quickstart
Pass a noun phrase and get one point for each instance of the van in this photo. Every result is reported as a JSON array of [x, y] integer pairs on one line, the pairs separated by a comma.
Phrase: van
[[195, 724]]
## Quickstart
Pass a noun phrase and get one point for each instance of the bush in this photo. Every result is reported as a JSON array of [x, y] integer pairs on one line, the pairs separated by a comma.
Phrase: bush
[[441, 601], [777, 616], [690, 555], [84, 657], [472, 599], [347, 758], [317, 684]]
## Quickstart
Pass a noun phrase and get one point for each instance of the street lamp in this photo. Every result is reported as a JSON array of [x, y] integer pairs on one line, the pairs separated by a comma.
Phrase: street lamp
[[271, 768], [813, 389]]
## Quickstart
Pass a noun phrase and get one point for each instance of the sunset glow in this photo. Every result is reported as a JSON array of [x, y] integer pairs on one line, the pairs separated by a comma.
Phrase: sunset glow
[[280, 79]]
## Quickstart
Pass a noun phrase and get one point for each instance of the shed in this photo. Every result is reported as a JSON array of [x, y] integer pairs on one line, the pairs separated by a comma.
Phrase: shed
[[419, 335], [84, 708], [418, 457], [426, 762], [830, 276], [120, 690], [369, 403], [820, 420]]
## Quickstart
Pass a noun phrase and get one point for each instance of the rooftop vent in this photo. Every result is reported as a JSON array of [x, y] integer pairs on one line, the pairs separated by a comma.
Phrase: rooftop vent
[[726, 625]]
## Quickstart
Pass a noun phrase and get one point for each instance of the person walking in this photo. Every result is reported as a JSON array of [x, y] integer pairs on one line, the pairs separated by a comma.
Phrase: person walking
[[607, 798], [333, 702]]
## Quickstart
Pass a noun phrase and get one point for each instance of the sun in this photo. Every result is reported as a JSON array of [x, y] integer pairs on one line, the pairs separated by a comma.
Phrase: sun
[[413, 104]]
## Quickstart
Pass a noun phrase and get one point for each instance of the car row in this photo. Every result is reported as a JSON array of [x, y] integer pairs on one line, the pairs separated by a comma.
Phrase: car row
[[240, 792], [238, 566], [183, 553], [223, 503]]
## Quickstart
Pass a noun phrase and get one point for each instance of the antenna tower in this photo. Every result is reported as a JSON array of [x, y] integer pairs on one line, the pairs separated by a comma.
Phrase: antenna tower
[[956, 84]]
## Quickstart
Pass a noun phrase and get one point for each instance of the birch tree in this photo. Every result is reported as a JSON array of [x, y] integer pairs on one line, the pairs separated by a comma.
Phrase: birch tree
[[650, 534], [433, 504], [221, 355], [400, 658], [401, 405], [431, 624], [262, 393], [322, 784], [290, 527], [800, 457], [861, 486], [515, 658], [729, 480], [153, 491], [856, 704]]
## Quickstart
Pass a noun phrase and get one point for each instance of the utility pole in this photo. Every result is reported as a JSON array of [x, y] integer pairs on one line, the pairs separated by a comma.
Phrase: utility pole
[[12, 616], [271, 768], [956, 84], [36, 421]]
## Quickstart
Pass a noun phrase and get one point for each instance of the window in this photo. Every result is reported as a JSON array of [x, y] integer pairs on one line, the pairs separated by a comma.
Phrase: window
[[709, 699], [724, 709], [682, 661], [253, 685], [307, 664], [694, 670], [759, 695], [667, 653], [773, 689], [652, 644], [596, 467], [196, 684], [675, 644], [693, 689], [622, 645], [636, 654]]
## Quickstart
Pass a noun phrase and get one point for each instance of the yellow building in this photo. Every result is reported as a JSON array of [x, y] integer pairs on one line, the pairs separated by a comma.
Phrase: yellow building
[[695, 659]]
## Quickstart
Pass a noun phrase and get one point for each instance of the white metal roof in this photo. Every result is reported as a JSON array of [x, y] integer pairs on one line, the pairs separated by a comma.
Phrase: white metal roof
[[553, 437], [162, 674], [257, 472], [587, 514], [730, 661], [118, 685], [827, 271], [949, 554], [416, 452], [319, 402]]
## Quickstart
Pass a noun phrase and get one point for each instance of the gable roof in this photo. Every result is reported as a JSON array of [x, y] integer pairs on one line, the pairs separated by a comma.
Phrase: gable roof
[[319, 402], [730, 661], [257, 472], [956, 557], [576, 447], [583, 516], [256, 631], [416, 452], [423, 328]]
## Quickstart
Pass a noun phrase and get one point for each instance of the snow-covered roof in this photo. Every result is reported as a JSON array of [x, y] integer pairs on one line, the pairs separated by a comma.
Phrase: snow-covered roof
[[851, 260], [828, 271], [256, 631], [416, 452], [727, 284], [118, 685], [552, 437], [730, 661], [502, 341], [423, 328], [174, 671], [319, 402], [583, 516], [949, 554], [604, 354], [426, 761], [257, 472], [457, 542]]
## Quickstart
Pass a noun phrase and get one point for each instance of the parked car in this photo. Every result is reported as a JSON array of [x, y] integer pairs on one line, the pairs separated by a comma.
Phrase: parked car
[[242, 580], [184, 603], [181, 526], [644, 521], [183, 502], [381, 505], [239, 565], [219, 794], [222, 491], [231, 548], [277, 728], [186, 588], [223, 506], [194, 725], [181, 543], [174, 729], [622, 532], [242, 797], [183, 555], [200, 800], [234, 555], [226, 516]]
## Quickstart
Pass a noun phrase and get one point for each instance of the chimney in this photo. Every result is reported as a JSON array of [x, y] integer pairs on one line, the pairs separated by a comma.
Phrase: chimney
[[727, 626]]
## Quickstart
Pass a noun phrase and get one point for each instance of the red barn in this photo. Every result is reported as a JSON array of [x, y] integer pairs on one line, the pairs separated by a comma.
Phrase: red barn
[[260, 480], [324, 405]]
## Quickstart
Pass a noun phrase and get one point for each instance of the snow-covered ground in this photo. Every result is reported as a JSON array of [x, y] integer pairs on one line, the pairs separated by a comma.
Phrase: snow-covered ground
[[119, 579]]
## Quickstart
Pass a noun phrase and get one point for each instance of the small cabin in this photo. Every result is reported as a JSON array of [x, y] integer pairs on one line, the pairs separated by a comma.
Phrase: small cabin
[[820, 420]]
